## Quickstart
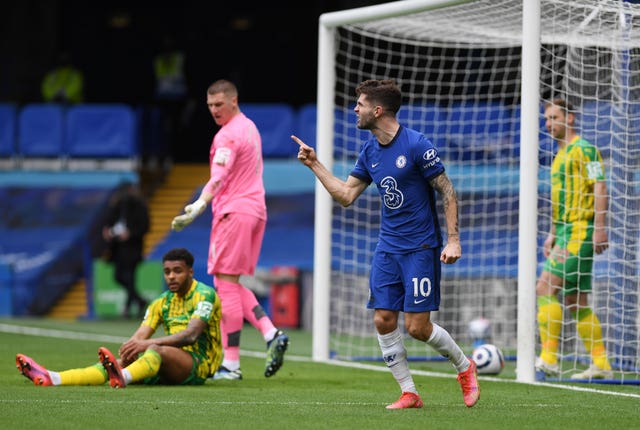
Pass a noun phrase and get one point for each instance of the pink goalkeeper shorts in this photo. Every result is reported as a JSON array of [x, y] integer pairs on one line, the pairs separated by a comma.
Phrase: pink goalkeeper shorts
[[235, 242]]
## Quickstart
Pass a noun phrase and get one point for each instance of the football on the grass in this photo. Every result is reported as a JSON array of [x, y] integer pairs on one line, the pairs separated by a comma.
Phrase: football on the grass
[[488, 359]]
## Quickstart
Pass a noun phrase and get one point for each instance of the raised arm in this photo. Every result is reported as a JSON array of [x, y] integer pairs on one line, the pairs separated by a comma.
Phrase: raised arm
[[344, 192]]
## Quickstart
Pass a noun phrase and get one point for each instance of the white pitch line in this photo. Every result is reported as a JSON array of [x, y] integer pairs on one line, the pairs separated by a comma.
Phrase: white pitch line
[[485, 378], [60, 334], [64, 334], [187, 403], [129, 401]]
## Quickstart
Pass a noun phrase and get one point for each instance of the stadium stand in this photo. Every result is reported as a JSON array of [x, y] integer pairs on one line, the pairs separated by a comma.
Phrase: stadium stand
[[305, 125], [347, 136], [51, 228], [275, 122], [431, 114], [476, 132], [49, 231], [597, 124], [7, 136], [101, 136], [41, 136], [289, 234], [6, 290], [45, 228], [545, 155]]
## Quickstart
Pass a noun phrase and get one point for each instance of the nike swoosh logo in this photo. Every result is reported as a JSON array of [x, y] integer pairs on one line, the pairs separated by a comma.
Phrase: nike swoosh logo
[[417, 302], [374, 165]]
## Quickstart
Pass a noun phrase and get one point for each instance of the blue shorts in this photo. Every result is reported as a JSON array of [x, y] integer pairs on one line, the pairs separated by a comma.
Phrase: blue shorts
[[405, 282]]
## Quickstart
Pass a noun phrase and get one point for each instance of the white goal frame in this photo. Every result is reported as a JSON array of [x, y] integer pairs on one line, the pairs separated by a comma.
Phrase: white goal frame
[[528, 176], [528, 191]]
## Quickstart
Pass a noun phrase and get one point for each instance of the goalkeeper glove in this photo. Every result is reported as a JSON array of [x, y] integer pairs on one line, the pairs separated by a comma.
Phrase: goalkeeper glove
[[190, 213]]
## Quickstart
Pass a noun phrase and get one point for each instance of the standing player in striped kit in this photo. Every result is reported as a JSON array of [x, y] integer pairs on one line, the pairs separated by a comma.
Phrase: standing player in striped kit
[[405, 272], [579, 207], [237, 196]]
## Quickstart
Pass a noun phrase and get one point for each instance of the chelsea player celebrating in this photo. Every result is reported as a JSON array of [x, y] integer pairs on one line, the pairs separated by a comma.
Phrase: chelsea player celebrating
[[405, 272]]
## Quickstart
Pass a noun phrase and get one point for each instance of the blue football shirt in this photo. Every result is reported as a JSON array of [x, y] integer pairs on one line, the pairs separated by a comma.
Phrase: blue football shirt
[[401, 171]]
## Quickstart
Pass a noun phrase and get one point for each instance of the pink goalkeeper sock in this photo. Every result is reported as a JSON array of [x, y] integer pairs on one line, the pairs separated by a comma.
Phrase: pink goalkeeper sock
[[239, 300], [232, 319], [254, 313]]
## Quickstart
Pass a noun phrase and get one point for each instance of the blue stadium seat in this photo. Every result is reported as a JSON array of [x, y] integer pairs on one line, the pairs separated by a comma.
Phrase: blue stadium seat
[[47, 219], [476, 130], [41, 131], [597, 124], [305, 126], [152, 141], [8, 149], [546, 144], [347, 137], [6, 290], [101, 131], [479, 118], [7, 130], [275, 121], [428, 118]]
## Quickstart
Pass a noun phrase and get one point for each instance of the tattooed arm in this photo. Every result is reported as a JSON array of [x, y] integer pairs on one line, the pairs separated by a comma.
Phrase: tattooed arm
[[452, 250]]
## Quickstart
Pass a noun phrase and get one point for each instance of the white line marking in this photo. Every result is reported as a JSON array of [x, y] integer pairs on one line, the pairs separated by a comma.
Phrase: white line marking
[[63, 334]]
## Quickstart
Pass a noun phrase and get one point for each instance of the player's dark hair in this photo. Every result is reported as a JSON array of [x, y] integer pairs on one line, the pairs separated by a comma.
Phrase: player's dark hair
[[223, 86], [384, 92], [179, 254]]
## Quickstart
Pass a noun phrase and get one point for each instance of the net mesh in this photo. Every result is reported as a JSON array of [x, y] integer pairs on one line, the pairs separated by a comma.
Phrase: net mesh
[[459, 71]]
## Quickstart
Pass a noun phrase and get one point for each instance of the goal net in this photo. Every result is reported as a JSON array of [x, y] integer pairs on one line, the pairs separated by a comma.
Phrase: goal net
[[459, 67]]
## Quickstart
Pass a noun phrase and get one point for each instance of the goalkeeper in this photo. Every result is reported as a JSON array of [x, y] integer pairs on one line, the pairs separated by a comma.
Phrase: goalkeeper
[[236, 193], [189, 353], [405, 272], [579, 206]]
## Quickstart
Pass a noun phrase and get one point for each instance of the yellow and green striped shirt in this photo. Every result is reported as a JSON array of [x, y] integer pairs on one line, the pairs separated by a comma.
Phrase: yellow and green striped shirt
[[175, 312], [575, 170]]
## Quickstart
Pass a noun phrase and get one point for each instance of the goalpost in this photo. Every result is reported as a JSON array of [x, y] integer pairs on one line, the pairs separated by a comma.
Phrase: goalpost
[[474, 77]]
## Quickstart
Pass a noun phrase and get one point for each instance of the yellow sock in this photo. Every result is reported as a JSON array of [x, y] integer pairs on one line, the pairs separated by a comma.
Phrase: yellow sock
[[549, 325], [590, 331], [146, 366], [92, 375]]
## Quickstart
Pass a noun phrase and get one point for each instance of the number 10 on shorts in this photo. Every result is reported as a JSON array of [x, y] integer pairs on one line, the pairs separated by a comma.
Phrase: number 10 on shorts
[[421, 287]]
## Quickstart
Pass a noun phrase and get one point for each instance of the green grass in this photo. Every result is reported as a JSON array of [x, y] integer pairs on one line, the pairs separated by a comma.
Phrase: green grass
[[303, 395]]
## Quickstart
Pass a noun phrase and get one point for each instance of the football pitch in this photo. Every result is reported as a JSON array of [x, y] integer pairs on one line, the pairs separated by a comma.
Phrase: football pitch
[[302, 395]]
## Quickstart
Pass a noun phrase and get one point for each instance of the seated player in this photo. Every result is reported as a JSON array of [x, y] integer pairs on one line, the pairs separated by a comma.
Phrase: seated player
[[190, 352]]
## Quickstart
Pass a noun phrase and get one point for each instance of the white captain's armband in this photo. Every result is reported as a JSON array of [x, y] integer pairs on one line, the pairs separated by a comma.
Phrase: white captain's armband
[[203, 310], [221, 156], [594, 170]]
